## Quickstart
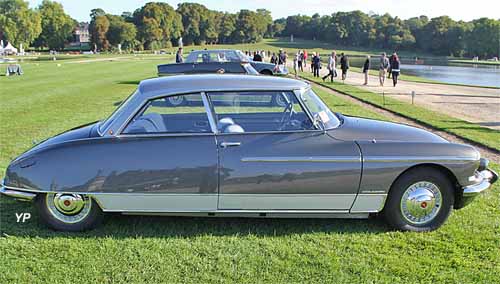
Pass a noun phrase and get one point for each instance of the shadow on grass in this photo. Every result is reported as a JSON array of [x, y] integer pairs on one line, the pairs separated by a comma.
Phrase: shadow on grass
[[121, 226], [129, 82]]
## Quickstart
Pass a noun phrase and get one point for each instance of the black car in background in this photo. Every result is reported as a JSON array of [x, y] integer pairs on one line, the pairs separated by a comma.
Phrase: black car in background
[[230, 55], [206, 68]]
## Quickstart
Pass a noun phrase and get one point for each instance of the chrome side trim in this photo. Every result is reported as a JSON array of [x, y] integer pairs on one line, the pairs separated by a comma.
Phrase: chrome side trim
[[286, 202], [412, 159], [333, 214], [368, 203], [314, 159], [21, 195]]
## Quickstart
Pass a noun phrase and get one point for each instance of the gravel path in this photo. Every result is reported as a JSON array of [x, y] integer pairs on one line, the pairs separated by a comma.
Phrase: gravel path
[[485, 152]]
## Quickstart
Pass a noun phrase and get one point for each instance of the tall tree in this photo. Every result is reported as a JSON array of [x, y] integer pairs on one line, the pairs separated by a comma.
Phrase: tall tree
[[157, 23], [120, 32], [57, 26], [483, 39], [98, 28], [198, 23], [18, 23]]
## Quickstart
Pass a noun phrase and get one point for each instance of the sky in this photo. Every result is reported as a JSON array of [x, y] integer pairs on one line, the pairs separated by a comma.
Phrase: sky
[[456, 9]]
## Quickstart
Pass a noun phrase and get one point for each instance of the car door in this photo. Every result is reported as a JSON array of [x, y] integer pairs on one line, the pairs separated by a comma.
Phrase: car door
[[167, 157], [271, 158]]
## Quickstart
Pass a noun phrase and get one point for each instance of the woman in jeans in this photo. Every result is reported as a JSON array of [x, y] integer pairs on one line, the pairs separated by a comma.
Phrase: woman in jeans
[[395, 69]]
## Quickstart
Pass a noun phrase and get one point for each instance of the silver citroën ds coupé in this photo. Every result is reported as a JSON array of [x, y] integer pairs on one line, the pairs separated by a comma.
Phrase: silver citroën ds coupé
[[239, 145]]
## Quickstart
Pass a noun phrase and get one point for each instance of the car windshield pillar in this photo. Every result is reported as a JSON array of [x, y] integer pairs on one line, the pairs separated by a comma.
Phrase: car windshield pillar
[[317, 108]]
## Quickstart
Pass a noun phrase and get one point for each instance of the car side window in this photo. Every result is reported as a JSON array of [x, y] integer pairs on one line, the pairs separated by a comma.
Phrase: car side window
[[172, 114], [260, 111]]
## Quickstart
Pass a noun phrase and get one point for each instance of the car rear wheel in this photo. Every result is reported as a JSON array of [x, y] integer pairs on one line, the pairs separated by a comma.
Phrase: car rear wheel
[[68, 212], [420, 200]]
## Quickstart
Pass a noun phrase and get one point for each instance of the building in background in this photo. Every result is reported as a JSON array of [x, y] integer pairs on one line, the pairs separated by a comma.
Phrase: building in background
[[81, 38]]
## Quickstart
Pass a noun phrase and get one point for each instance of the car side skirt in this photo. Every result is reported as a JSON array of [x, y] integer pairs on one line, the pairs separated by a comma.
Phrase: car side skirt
[[262, 205]]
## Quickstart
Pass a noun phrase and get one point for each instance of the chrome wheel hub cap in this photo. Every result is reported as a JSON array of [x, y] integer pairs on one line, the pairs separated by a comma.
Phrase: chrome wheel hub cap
[[280, 101], [176, 100], [421, 203], [68, 208]]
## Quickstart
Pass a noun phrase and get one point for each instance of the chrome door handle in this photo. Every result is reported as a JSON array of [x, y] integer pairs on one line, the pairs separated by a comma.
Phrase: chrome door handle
[[229, 144]]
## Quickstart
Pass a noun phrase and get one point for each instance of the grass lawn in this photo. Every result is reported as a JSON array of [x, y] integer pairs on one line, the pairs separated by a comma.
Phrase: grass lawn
[[49, 99], [471, 131]]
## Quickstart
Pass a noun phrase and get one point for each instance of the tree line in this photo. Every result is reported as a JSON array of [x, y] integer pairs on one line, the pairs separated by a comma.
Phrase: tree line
[[158, 25]]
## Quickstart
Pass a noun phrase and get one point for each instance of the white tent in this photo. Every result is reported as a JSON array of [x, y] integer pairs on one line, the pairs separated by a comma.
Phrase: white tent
[[9, 49]]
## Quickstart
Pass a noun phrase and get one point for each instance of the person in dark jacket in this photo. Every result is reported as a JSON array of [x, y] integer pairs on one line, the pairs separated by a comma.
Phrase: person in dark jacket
[[316, 64], [391, 60], [178, 56], [344, 65], [366, 69], [257, 57], [274, 59], [395, 69]]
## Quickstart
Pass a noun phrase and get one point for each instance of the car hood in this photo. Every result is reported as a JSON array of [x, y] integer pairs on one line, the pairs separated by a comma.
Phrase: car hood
[[80, 132], [362, 129]]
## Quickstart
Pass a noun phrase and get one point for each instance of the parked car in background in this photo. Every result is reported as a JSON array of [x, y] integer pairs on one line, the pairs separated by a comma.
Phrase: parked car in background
[[230, 55], [206, 68], [230, 150]]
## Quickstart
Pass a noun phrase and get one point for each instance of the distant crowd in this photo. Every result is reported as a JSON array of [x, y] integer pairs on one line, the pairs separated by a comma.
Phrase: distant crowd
[[387, 65]]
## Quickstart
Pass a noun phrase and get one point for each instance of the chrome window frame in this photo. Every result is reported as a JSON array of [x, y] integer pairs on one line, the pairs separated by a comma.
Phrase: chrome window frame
[[141, 108]]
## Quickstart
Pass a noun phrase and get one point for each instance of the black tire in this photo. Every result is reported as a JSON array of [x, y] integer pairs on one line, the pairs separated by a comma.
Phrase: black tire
[[394, 208], [92, 219], [266, 72]]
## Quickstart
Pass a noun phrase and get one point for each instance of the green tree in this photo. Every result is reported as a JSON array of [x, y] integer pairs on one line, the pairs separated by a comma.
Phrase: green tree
[[157, 23], [225, 24], [98, 28], [198, 23], [483, 38], [18, 23], [120, 32], [57, 26]]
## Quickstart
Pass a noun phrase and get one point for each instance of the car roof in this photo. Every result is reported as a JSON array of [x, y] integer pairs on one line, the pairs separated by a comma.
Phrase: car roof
[[215, 82]]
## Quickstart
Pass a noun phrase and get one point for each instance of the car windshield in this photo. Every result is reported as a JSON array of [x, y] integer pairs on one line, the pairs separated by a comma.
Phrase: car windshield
[[206, 56], [318, 109], [106, 123]]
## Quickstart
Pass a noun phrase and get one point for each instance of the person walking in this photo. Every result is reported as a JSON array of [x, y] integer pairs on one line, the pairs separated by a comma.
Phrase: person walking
[[178, 56], [344, 65], [316, 64], [395, 69], [331, 67], [301, 59], [366, 69], [304, 62], [391, 60], [382, 69], [296, 64]]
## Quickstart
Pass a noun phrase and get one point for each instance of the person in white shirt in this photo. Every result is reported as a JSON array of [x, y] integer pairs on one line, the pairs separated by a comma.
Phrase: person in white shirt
[[332, 71]]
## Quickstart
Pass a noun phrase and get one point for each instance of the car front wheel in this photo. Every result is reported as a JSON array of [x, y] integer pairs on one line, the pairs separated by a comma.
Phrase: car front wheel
[[68, 212], [420, 200]]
